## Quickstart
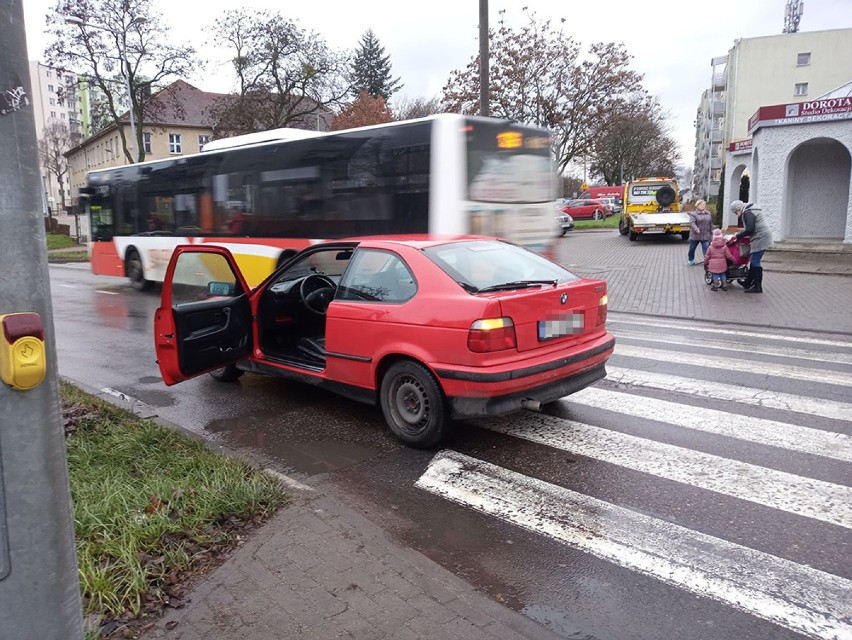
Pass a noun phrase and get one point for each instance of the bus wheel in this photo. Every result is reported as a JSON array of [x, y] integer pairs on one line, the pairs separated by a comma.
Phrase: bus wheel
[[228, 373], [414, 405], [133, 268]]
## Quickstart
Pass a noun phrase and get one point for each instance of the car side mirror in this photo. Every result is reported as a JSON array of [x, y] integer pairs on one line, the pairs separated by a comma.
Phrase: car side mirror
[[220, 288]]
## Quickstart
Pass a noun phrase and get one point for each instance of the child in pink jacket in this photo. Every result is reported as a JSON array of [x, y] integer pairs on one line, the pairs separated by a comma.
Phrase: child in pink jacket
[[716, 260]]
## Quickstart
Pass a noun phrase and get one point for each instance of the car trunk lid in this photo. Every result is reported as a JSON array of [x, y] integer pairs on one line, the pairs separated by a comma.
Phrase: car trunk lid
[[554, 315]]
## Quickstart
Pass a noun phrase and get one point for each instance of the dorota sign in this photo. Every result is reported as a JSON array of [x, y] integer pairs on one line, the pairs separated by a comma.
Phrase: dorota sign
[[740, 146], [801, 113]]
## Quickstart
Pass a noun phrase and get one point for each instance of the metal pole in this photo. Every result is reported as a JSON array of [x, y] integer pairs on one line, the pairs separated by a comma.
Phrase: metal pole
[[483, 58], [39, 588]]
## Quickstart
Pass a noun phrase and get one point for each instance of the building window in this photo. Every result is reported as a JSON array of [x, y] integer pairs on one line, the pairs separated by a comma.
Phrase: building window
[[202, 140], [50, 88], [174, 143], [803, 59], [146, 141], [53, 101], [801, 88], [48, 73], [52, 114]]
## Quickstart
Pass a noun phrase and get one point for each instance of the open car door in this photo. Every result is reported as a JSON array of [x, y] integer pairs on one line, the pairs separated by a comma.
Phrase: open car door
[[204, 319]]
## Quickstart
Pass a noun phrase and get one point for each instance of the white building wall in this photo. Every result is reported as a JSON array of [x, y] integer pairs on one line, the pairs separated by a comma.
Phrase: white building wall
[[784, 207]]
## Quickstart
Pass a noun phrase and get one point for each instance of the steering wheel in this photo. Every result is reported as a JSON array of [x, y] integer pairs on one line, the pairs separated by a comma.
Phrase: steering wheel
[[316, 293]]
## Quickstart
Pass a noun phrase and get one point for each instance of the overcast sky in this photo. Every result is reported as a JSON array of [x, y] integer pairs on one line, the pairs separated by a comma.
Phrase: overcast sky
[[671, 42]]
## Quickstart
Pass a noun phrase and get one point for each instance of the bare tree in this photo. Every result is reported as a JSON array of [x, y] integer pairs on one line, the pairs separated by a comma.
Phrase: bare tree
[[408, 108], [538, 76], [55, 141], [636, 142], [116, 44], [284, 74]]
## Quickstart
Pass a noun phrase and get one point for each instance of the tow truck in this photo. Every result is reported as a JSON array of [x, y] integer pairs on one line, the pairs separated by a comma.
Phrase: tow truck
[[652, 206]]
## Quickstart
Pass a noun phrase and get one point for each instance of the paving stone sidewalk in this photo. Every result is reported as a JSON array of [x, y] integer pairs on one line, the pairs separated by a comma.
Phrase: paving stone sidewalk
[[321, 570]]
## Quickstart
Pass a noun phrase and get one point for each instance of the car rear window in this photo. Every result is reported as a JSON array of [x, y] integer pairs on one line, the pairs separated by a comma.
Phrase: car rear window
[[480, 264]]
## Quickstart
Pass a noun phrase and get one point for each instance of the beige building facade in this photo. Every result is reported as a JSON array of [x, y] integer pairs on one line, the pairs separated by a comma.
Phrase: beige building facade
[[777, 69]]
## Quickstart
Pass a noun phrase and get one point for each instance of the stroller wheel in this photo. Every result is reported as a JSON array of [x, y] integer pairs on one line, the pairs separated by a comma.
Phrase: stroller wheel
[[741, 282], [708, 277]]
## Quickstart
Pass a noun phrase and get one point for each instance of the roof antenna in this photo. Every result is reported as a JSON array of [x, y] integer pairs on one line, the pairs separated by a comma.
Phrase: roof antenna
[[792, 15]]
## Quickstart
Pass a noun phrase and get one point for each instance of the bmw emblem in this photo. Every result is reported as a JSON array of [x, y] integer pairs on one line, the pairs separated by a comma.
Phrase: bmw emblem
[[564, 298]]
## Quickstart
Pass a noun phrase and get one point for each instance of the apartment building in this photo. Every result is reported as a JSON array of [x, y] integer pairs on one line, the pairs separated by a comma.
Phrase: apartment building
[[58, 100], [180, 125], [777, 69]]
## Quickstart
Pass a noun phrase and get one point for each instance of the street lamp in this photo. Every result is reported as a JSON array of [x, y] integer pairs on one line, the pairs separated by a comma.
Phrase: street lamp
[[125, 63]]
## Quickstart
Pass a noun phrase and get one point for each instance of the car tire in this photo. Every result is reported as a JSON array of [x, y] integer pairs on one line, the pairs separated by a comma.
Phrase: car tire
[[562, 233], [598, 215], [135, 272], [622, 228], [632, 235], [414, 405], [684, 235], [228, 373]]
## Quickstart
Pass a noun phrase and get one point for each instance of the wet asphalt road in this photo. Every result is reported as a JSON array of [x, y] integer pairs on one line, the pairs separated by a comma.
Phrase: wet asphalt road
[[105, 340]]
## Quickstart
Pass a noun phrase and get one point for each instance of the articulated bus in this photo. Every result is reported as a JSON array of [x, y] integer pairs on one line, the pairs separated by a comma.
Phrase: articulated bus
[[266, 196]]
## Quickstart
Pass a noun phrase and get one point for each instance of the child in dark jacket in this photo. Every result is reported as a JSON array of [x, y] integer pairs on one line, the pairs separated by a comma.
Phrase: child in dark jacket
[[716, 261]]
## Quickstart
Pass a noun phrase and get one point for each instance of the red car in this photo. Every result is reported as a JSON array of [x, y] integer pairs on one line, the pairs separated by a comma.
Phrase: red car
[[430, 329], [591, 209]]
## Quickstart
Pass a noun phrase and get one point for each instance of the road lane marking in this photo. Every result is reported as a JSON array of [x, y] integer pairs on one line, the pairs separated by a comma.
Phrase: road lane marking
[[731, 393], [742, 347], [68, 286], [653, 322], [734, 364], [759, 430], [109, 293], [780, 490], [795, 596]]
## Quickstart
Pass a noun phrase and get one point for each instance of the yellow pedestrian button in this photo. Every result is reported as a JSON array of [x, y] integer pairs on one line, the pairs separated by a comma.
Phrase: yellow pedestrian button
[[22, 354]]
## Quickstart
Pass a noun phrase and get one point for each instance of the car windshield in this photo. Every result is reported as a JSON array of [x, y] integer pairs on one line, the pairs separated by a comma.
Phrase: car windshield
[[492, 265], [325, 262]]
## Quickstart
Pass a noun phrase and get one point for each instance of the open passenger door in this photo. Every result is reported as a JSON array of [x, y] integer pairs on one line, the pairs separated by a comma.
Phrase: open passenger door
[[204, 319]]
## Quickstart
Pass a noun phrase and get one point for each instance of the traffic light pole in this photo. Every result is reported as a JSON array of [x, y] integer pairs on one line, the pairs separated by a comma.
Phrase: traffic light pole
[[39, 585]]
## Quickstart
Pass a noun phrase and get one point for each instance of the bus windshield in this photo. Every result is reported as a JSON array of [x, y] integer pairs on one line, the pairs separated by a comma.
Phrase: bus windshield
[[507, 163]]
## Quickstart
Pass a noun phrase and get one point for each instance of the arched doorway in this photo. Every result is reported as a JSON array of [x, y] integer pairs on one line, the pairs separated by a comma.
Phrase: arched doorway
[[817, 190], [733, 193]]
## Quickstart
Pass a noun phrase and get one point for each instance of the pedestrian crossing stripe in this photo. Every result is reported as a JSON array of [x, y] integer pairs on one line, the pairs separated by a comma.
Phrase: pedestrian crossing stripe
[[758, 430], [616, 319], [709, 344], [729, 393], [788, 492], [736, 364], [798, 597]]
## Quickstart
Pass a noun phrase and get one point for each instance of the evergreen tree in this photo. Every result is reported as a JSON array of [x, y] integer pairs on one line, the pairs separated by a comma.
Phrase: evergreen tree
[[371, 70]]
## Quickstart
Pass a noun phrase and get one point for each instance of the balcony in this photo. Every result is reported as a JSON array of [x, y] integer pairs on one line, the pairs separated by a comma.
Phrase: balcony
[[719, 81], [716, 136]]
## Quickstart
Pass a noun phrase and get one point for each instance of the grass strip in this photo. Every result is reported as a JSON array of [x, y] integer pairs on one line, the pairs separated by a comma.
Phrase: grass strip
[[608, 223], [60, 241], [152, 506], [68, 256]]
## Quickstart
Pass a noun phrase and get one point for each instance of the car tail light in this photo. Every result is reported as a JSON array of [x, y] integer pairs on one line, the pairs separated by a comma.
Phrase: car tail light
[[491, 334], [602, 305]]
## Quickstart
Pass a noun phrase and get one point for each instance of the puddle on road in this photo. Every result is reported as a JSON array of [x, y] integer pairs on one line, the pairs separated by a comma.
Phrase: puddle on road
[[300, 454]]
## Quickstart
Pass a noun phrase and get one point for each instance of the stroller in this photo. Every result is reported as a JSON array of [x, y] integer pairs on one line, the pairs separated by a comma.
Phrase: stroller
[[740, 248]]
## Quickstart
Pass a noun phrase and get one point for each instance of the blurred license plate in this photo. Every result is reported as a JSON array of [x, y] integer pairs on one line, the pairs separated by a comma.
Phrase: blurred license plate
[[564, 325]]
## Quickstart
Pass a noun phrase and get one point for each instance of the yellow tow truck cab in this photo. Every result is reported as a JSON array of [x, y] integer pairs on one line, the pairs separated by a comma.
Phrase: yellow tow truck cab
[[652, 206]]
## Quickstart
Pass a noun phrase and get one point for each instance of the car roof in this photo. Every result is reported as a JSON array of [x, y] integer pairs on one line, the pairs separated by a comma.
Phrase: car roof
[[416, 241]]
